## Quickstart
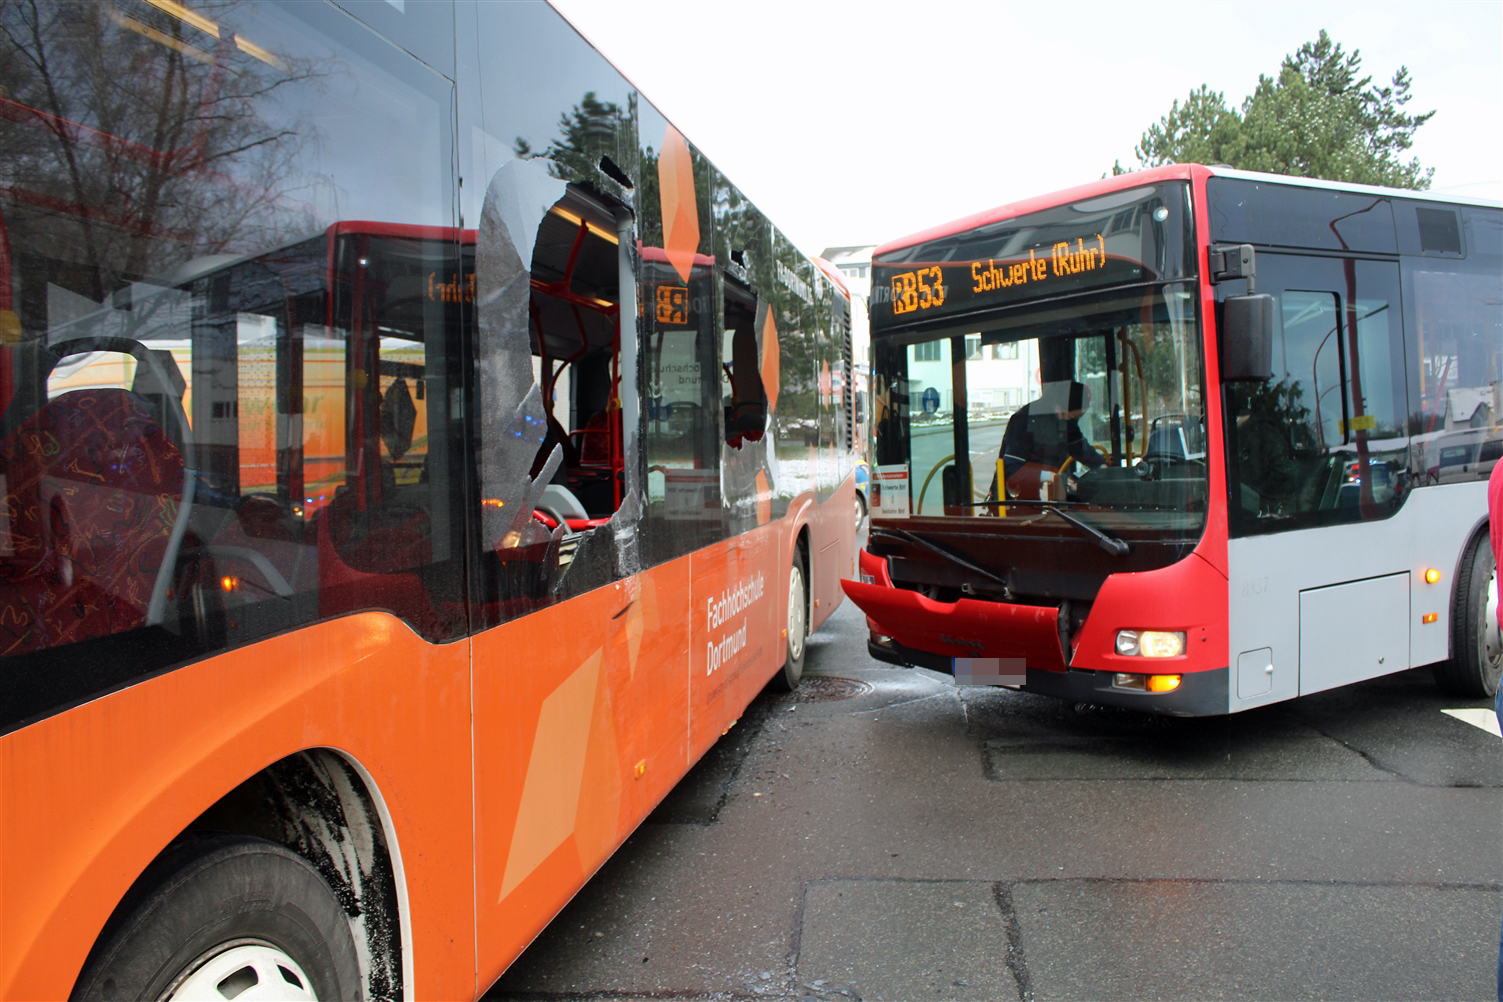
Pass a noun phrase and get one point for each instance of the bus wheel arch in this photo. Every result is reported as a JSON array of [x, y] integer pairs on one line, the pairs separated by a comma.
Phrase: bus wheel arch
[[1476, 660], [315, 811]]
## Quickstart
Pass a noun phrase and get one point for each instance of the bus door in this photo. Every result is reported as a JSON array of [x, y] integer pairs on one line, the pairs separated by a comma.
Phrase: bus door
[[1317, 461]]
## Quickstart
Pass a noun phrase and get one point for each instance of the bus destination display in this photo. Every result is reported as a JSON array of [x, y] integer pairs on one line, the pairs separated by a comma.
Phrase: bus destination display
[[1068, 249], [943, 289], [924, 288]]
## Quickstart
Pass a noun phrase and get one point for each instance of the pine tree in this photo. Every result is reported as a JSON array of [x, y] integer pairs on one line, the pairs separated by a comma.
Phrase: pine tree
[[1320, 117]]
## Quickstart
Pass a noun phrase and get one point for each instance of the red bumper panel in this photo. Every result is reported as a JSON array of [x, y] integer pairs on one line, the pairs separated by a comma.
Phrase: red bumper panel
[[965, 629]]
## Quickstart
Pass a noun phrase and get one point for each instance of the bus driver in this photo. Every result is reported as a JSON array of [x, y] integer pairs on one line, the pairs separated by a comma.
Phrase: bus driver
[[1041, 436]]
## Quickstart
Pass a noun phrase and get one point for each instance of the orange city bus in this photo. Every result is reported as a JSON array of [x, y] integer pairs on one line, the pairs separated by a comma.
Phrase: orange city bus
[[1190, 440], [412, 465]]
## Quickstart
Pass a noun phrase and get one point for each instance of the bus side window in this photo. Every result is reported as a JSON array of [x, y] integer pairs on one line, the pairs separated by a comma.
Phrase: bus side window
[[575, 317], [1325, 439], [683, 441], [745, 397], [550, 446], [1457, 344], [386, 517]]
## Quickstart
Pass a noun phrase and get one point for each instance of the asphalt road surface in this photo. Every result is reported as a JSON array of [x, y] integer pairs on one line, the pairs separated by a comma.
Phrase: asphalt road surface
[[883, 835], [934, 448]]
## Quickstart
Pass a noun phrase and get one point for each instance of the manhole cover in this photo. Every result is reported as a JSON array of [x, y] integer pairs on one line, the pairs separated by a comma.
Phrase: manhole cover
[[828, 688]]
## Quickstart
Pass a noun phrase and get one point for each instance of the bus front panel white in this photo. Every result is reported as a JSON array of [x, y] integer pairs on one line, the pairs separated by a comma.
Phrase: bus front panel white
[[1270, 572]]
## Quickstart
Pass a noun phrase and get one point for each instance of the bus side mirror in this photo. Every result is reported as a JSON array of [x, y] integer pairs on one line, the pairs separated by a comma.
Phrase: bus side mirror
[[1247, 338]]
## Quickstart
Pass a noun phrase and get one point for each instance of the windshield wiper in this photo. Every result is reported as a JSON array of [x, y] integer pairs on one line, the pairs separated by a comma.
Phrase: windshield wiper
[[940, 550], [1111, 544], [1108, 542]]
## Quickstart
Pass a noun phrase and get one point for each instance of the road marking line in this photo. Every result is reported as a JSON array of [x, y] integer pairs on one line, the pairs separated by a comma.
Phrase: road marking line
[[1485, 719]]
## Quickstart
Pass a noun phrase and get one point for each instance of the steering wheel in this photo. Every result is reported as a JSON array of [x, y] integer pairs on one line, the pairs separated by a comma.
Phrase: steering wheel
[[1062, 479]]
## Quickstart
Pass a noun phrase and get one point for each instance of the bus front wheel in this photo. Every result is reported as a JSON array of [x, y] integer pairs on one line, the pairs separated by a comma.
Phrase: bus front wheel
[[798, 624], [226, 917], [1476, 648]]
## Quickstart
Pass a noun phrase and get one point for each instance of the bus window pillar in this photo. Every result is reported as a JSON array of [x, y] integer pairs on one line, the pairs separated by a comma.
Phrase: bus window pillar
[[628, 383]]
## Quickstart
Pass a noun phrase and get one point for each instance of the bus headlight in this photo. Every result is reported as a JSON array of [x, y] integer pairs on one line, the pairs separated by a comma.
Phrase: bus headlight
[[1161, 644], [1151, 643]]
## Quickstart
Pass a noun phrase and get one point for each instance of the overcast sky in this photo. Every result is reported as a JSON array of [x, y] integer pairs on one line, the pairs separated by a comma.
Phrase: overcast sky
[[859, 122]]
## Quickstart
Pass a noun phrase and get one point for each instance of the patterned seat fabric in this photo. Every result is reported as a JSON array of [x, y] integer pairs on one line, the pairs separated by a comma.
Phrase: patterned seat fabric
[[595, 439], [92, 489]]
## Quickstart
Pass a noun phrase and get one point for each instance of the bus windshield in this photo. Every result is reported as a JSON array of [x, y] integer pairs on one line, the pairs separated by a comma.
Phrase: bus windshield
[[1093, 403]]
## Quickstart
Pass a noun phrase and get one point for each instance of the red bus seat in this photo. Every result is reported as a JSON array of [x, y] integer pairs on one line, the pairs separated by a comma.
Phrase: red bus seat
[[93, 486], [370, 558], [597, 477], [594, 439]]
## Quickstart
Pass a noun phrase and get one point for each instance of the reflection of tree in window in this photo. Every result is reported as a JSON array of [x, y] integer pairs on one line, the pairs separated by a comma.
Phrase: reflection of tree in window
[[139, 178], [1265, 418], [592, 129]]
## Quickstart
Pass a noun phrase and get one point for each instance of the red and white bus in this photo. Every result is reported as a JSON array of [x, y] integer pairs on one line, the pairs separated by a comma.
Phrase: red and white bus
[[412, 462], [1189, 440]]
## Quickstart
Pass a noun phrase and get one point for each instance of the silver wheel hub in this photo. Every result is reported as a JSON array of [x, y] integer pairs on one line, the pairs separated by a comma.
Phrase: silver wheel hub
[[796, 613], [247, 971], [1492, 641]]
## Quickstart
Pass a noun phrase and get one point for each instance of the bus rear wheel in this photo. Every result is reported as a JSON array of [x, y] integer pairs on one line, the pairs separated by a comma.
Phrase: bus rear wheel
[[1476, 647], [226, 917], [798, 625]]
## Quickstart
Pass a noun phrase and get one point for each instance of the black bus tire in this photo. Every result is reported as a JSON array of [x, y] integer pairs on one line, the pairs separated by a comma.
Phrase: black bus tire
[[797, 633], [1476, 661], [216, 917]]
